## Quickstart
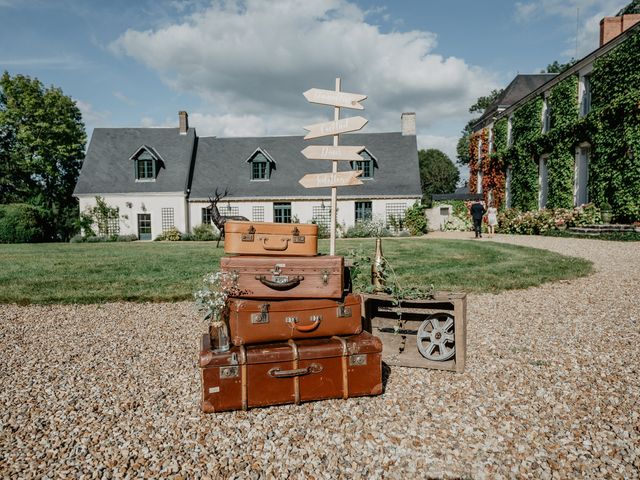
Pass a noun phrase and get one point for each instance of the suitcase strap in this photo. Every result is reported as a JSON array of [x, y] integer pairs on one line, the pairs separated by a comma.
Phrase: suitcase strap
[[288, 285]]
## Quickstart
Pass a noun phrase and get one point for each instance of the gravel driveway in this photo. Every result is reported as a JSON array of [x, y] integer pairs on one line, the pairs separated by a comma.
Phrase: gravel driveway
[[551, 390]]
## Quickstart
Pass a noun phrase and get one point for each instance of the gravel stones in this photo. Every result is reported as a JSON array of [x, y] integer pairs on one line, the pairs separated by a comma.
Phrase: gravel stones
[[551, 390]]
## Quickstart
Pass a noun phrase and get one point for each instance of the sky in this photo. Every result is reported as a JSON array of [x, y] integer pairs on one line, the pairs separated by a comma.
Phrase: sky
[[239, 67]]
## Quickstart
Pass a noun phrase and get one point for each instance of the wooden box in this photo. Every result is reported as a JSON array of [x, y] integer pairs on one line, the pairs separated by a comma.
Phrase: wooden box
[[440, 322]]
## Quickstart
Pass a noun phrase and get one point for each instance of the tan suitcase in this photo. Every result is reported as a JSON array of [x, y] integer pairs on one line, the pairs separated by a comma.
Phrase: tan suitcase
[[287, 277], [262, 238], [261, 321], [290, 372]]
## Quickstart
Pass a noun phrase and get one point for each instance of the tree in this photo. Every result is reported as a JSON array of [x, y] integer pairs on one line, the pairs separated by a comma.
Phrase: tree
[[632, 7], [438, 174], [42, 140], [557, 67], [482, 103], [485, 102]]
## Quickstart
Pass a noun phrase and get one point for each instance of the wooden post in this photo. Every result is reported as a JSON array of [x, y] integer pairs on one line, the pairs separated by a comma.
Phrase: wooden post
[[334, 190]]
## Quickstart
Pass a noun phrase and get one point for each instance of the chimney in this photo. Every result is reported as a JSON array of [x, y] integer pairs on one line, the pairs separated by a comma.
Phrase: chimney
[[408, 123], [611, 27], [184, 122]]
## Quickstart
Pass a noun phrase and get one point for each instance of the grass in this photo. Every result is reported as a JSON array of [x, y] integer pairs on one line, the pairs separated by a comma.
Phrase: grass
[[613, 236], [168, 271]]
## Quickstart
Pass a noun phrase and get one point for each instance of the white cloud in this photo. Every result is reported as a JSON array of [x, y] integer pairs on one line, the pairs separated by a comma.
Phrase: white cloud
[[250, 62], [124, 99], [525, 11], [91, 116]]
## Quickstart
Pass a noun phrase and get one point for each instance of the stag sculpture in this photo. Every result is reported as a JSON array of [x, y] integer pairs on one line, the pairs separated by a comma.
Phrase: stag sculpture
[[217, 219]]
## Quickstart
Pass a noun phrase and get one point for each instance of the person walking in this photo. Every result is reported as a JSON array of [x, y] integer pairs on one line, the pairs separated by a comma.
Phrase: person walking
[[492, 219], [477, 212]]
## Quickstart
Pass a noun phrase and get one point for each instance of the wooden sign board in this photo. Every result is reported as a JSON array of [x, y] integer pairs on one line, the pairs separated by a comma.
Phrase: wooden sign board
[[322, 152], [331, 179], [336, 99], [336, 127]]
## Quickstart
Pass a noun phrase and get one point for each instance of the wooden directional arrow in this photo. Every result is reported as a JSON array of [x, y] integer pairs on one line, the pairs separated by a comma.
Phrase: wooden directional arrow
[[337, 99], [331, 179], [326, 152], [350, 124]]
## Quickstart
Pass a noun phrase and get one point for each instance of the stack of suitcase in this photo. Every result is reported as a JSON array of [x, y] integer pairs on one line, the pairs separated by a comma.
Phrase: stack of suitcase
[[296, 329]]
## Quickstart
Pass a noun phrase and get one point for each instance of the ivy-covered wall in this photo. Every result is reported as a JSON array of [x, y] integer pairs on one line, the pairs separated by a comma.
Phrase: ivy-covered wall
[[612, 127]]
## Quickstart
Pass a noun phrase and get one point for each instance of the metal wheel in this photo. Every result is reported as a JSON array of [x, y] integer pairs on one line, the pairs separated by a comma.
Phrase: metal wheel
[[435, 338]]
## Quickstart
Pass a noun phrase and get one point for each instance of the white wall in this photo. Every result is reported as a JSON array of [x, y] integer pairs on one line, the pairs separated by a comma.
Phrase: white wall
[[141, 203]]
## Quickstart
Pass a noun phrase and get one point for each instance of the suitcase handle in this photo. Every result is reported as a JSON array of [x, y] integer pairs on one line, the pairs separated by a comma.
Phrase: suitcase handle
[[316, 319], [273, 247], [294, 282], [298, 372]]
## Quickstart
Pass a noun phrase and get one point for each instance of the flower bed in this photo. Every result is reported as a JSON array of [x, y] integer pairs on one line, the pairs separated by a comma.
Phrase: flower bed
[[540, 221]]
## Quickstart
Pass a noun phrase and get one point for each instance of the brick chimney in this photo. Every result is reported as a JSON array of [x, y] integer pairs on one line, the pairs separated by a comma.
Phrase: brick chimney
[[184, 122], [408, 123], [611, 27]]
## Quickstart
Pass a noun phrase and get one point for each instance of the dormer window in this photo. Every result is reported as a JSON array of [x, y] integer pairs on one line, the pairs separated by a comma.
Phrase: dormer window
[[261, 165], [367, 164], [146, 164]]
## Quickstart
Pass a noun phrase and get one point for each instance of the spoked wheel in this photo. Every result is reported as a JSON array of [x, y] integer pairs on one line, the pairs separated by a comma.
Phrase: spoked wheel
[[435, 338]]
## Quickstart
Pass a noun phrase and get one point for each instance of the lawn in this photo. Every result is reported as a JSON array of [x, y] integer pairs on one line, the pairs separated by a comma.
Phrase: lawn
[[166, 271]]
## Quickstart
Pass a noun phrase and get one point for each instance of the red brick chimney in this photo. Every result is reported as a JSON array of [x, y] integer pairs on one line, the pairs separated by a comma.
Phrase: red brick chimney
[[611, 27], [184, 122]]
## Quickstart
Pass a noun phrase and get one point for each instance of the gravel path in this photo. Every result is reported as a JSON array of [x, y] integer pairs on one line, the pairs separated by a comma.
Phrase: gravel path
[[551, 390]]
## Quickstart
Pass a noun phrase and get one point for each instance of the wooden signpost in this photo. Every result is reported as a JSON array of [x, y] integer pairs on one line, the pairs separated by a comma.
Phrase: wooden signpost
[[334, 179]]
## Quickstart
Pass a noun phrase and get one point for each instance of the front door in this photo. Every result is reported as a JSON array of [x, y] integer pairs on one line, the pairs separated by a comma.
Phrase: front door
[[144, 226]]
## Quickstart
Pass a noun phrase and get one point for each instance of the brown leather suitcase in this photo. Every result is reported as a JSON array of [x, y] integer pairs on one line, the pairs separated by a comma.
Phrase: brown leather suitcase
[[261, 321], [290, 372], [287, 277], [263, 238]]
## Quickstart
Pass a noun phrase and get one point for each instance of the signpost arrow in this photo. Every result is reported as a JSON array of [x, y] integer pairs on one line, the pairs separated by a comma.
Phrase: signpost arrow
[[350, 124], [337, 99], [326, 152], [331, 179]]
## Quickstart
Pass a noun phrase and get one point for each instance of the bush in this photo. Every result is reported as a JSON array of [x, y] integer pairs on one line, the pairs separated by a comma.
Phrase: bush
[[541, 221], [103, 238], [415, 219], [186, 237], [171, 235], [203, 233], [127, 238], [22, 223], [367, 228]]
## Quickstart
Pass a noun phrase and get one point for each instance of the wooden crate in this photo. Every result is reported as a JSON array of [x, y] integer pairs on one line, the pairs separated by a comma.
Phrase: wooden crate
[[381, 316]]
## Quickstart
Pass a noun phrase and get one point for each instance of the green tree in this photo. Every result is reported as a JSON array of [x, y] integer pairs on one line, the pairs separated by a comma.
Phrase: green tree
[[557, 67], [42, 140], [485, 102], [438, 174], [482, 103], [632, 7]]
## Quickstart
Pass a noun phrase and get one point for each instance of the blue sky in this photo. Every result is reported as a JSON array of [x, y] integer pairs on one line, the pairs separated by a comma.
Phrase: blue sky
[[239, 67]]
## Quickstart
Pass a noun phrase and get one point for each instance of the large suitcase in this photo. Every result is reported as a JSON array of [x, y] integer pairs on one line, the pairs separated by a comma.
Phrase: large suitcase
[[263, 238], [288, 277], [290, 372], [261, 321]]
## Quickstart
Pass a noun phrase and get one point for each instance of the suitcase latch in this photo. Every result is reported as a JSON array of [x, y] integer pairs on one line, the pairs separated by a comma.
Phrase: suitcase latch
[[229, 372], [297, 238], [277, 271], [343, 311], [291, 319], [248, 237], [325, 277], [262, 316], [357, 360]]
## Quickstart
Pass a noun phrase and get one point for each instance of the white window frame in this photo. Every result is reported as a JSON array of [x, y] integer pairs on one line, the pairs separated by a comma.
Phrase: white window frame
[[507, 187], [479, 160], [582, 151], [543, 181], [584, 92], [509, 131], [546, 115]]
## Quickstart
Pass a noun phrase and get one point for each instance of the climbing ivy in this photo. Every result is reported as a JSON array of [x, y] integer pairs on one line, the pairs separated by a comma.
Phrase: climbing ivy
[[494, 172]]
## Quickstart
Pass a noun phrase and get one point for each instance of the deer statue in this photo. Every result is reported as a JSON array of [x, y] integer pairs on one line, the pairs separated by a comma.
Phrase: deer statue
[[217, 219]]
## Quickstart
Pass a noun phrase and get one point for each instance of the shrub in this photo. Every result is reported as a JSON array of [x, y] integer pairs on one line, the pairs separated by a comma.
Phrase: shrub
[[103, 238], [203, 232], [127, 238], [22, 223], [367, 228], [541, 221], [186, 237], [171, 235], [415, 219]]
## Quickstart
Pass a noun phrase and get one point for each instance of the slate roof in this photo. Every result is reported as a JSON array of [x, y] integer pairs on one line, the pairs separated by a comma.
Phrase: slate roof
[[107, 167], [519, 87], [221, 162]]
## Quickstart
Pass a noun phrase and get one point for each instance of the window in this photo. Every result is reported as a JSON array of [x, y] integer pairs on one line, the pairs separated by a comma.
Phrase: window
[[444, 211], [479, 175], [144, 226], [507, 188], [282, 212], [581, 176], [543, 182], [260, 166], [145, 165], [322, 215], [363, 211], [167, 219], [366, 165], [395, 215], [206, 216], [257, 214], [510, 131], [585, 97], [546, 116]]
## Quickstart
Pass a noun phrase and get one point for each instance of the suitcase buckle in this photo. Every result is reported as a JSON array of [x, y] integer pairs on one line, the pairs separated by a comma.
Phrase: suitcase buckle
[[291, 319], [297, 238], [343, 311], [325, 277], [358, 360], [248, 237], [262, 316], [229, 372]]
